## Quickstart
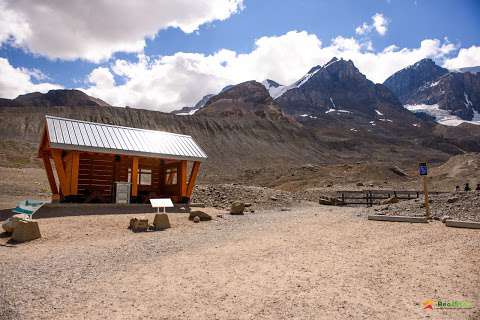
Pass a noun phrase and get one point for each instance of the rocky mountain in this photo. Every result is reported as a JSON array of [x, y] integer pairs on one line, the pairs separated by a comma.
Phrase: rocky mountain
[[62, 97], [448, 97], [188, 111], [243, 100], [406, 82], [339, 96]]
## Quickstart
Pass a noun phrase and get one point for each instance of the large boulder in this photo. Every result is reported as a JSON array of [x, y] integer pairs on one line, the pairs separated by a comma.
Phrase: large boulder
[[237, 207], [203, 216], [161, 222], [26, 230]]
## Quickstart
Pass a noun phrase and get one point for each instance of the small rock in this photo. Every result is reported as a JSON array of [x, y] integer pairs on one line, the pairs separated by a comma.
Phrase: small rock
[[196, 219], [247, 204], [452, 199], [220, 215], [285, 209], [273, 198], [203, 216], [237, 208], [252, 211], [360, 184], [445, 218], [390, 200]]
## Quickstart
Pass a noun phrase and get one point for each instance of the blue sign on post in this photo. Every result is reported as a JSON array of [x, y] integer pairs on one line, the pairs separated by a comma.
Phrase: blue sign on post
[[422, 169]]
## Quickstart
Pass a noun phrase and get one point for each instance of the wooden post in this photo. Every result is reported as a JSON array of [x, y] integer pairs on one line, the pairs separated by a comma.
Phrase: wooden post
[[75, 163], [425, 193], [62, 178], [135, 177], [183, 178], [50, 175], [193, 177]]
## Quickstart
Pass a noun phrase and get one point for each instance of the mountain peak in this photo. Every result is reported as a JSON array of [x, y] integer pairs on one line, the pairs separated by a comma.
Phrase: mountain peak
[[59, 97], [406, 81], [249, 98], [268, 83]]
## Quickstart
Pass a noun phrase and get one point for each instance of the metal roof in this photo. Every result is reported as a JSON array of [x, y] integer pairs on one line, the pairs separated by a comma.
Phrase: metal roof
[[79, 135]]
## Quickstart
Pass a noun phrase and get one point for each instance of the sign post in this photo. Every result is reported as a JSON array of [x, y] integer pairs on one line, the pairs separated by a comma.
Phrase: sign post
[[423, 171]]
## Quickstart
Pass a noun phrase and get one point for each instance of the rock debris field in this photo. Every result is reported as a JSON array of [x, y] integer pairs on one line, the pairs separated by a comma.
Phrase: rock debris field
[[464, 206]]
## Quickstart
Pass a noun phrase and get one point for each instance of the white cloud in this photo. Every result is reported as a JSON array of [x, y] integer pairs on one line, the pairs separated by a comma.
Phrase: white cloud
[[95, 30], [169, 82], [379, 23], [16, 81], [467, 57]]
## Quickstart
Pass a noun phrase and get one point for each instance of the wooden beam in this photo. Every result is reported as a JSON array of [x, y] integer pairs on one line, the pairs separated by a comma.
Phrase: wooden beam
[[183, 178], [134, 177], [74, 172], [50, 175], [67, 162], [62, 178], [193, 177]]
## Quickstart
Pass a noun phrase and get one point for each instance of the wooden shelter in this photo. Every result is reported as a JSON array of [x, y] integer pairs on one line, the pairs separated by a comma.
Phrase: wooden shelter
[[91, 159]]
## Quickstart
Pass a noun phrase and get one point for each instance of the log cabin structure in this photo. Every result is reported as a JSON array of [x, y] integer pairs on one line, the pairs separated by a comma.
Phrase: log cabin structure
[[92, 160]]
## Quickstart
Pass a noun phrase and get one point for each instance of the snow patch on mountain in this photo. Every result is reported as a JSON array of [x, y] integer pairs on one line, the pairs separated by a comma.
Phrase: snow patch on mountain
[[442, 116], [274, 89]]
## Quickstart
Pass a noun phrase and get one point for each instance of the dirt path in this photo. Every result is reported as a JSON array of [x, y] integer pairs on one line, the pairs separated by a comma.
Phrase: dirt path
[[309, 263]]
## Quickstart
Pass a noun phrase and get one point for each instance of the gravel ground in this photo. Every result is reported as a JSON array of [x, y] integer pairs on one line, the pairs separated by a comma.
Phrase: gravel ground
[[312, 262], [464, 206]]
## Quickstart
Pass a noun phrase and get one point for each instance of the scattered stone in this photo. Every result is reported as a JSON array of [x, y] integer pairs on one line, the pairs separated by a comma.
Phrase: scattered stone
[[252, 211], [453, 199], [220, 215], [285, 209], [273, 198], [237, 208], [247, 204], [161, 222], [445, 218], [196, 219], [26, 230], [360, 184], [329, 185], [203, 216]]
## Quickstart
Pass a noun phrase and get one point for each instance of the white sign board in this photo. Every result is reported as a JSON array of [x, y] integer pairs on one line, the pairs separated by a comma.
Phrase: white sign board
[[161, 203]]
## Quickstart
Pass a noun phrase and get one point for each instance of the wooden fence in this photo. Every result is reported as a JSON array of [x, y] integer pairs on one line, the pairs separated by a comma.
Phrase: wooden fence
[[372, 197]]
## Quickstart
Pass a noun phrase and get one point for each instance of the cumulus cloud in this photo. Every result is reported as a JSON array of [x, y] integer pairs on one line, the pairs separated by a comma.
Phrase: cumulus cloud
[[16, 81], [169, 82], [467, 57], [71, 29], [379, 24]]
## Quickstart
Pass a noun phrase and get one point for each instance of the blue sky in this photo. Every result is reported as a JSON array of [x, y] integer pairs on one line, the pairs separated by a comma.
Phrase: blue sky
[[52, 57]]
